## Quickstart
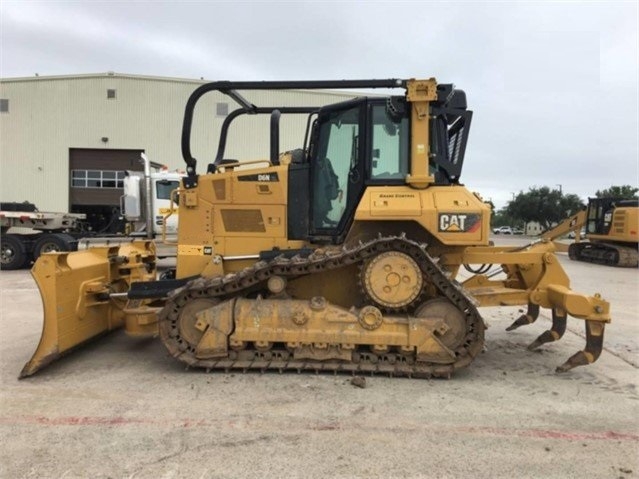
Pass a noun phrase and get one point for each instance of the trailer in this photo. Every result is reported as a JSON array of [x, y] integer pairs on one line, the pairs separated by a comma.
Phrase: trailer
[[35, 232]]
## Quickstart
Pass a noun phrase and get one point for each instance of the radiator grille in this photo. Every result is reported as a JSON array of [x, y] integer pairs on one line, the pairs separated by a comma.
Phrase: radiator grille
[[243, 221]]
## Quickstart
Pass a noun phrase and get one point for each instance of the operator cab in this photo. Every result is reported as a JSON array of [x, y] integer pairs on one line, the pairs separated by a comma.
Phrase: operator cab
[[601, 211], [367, 141], [353, 144]]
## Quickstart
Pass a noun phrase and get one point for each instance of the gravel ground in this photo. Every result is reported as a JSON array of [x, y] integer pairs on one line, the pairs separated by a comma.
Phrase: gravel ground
[[121, 408]]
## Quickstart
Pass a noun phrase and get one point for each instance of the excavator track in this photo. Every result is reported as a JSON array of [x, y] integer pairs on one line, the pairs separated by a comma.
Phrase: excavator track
[[363, 359], [605, 253]]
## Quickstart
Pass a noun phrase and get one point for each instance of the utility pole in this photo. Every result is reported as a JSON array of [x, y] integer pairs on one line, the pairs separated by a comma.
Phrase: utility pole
[[559, 188]]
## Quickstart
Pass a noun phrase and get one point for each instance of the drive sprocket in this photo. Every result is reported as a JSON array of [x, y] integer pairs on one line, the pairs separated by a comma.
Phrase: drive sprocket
[[392, 280]]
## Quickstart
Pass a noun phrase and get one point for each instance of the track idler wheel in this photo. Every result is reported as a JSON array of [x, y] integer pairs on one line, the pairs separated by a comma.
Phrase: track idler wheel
[[199, 329], [188, 326], [453, 332]]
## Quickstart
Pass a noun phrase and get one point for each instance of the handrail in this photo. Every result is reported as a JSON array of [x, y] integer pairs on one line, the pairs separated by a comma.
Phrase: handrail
[[173, 200]]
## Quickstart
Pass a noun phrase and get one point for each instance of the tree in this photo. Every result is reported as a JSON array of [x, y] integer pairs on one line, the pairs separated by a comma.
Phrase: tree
[[502, 218], [543, 205], [618, 192]]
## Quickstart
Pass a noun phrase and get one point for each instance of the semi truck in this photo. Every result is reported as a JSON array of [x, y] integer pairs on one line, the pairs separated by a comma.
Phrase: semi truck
[[145, 206]]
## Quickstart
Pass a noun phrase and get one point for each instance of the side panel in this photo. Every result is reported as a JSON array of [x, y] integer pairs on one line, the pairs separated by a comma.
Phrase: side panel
[[624, 226], [231, 214], [452, 214]]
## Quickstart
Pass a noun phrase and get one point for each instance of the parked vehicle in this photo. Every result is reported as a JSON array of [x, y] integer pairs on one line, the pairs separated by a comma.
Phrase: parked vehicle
[[39, 232], [503, 230], [145, 205], [609, 225]]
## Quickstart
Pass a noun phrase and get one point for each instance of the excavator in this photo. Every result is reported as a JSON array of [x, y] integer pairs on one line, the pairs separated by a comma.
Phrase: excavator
[[611, 228], [342, 255]]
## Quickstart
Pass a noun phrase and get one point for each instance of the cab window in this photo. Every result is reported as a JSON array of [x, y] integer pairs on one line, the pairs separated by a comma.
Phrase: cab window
[[164, 188], [389, 145]]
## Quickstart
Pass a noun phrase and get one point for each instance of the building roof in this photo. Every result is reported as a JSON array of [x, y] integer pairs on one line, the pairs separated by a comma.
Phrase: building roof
[[108, 74], [129, 76]]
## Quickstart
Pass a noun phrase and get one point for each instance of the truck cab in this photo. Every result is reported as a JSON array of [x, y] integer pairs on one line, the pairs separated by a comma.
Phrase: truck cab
[[150, 200]]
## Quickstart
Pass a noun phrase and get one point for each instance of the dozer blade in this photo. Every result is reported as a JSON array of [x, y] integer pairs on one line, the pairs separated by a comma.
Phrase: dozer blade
[[76, 290]]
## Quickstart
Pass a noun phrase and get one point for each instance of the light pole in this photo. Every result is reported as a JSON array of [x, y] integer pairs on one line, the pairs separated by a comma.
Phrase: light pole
[[559, 188]]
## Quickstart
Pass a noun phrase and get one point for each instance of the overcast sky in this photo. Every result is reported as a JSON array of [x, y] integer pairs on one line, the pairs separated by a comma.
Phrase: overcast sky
[[553, 85]]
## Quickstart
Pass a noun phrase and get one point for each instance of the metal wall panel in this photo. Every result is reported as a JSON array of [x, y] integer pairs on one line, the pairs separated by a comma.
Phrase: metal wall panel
[[48, 116]]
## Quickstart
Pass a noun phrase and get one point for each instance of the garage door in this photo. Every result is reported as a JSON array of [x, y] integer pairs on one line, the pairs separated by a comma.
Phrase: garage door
[[96, 174], [95, 186]]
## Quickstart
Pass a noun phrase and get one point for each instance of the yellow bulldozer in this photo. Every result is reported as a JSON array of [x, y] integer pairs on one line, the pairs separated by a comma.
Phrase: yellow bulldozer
[[342, 255]]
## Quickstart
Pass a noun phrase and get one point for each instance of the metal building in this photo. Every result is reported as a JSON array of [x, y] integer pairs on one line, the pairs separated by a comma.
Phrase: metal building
[[65, 140]]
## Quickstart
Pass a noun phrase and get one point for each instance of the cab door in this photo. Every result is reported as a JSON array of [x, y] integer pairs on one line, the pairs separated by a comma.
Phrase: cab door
[[337, 169]]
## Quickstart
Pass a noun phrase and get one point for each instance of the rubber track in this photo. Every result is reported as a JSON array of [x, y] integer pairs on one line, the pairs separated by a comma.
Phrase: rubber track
[[627, 257], [254, 278]]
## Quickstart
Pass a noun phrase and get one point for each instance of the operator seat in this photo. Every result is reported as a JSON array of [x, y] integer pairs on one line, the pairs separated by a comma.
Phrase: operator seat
[[326, 189]]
